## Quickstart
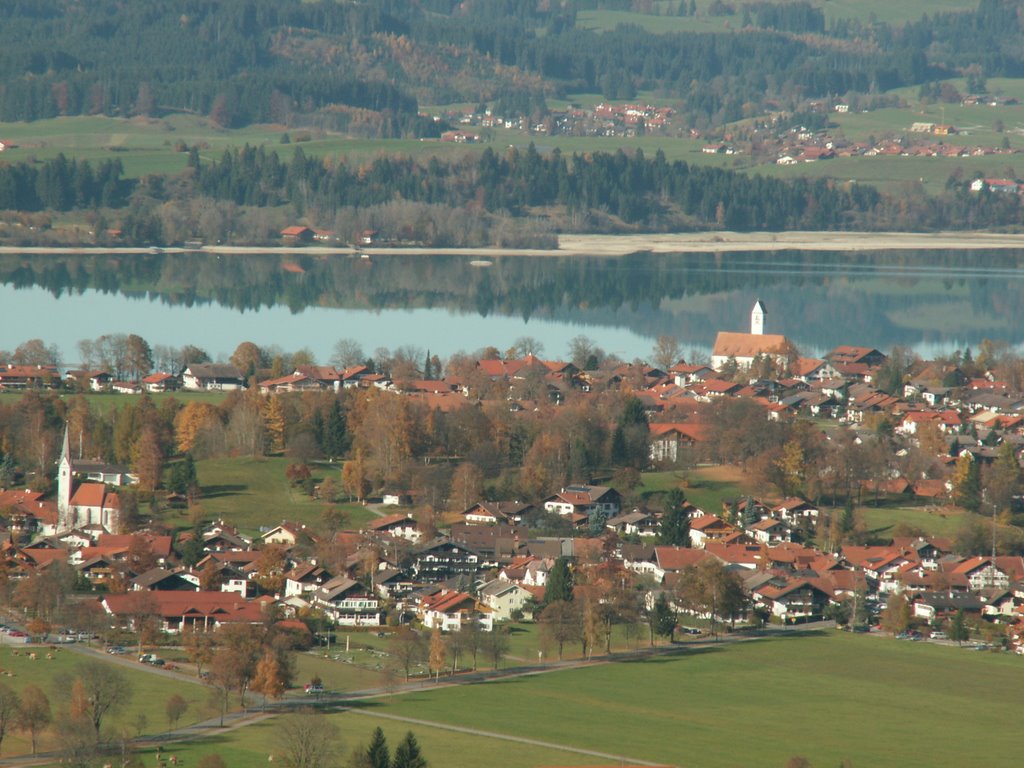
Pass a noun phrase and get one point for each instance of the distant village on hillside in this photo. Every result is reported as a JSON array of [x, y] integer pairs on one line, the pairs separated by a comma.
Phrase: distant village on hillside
[[944, 429]]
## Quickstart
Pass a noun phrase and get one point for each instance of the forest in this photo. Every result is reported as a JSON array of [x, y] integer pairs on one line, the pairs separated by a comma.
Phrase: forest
[[367, 66]]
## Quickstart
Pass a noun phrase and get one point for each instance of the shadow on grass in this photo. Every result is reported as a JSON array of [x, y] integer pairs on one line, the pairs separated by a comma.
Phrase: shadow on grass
[[214, 491]]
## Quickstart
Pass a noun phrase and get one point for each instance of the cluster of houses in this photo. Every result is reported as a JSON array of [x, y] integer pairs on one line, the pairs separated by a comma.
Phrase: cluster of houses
[[602, 120]]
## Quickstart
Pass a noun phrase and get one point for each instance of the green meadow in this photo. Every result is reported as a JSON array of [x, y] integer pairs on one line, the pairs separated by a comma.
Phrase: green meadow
[[144, 713], [252, 491], [827, 696]]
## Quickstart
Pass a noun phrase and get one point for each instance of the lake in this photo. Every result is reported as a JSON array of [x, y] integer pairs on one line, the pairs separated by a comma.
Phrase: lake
[[930, 301]]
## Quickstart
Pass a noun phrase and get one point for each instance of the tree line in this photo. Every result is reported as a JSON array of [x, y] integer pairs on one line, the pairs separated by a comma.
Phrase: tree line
[[286, 60]]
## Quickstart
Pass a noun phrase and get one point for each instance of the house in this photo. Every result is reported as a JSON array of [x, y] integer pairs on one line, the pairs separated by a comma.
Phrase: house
[[584, 500], [793, 601], [165, 580], [28, 376], [504, 598], [212, 376], [709, 528], [297, 234], [160, 382], [348, 603], [304, 578], [441, 559], [288, 535], [769, 531], [495, 512], [452, 610], [668, 440], [635, 523], [180, 610], [400, 525]]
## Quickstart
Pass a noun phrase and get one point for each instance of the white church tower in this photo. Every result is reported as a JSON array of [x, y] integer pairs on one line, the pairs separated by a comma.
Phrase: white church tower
[[64, 486], [757, 319]]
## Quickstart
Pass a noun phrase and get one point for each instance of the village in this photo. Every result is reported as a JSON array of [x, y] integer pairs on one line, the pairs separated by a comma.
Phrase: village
[[943, 437]]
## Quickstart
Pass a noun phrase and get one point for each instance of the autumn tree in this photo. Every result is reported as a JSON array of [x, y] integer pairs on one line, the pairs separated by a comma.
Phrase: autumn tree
[[896, 614], [148, 459], [347, 353], [274, 423], [175, 707], [267, 679], [709, 588], [192, 421], [667, 352], [407, 648], [269, 568], [354, 478], [247, 358], [35, 714], [496, 645], [99, 689], [438, 652], [10, 707], [560, 623], [467, 485]]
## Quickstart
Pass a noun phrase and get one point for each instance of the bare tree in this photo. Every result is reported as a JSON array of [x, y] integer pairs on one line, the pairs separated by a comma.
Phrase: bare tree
[[308, 740], [10, 706], [347, 352], [35, 714], [103, 689]]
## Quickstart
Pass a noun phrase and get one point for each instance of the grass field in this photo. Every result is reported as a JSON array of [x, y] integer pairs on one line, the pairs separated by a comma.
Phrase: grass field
[[149, 693], [148, 147], [881, 521], [249, 492], [827, 696], [706, 487]]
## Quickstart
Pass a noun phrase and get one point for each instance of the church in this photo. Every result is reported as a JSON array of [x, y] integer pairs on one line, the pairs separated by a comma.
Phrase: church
[[87, 505], [744, 347]]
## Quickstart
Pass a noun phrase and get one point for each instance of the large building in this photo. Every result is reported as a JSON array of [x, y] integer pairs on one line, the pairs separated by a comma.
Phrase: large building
[[744, 347], [85, 505]]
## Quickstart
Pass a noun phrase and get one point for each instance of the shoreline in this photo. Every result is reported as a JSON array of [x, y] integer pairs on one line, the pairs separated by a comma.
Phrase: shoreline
[[610, 245]]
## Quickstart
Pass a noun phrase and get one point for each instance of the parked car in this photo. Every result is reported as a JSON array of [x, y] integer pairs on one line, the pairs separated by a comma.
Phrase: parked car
[[116, 650], [939, 635], [314, 688], [151, 658]]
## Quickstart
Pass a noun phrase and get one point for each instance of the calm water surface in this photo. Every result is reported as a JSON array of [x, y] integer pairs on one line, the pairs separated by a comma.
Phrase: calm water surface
[[930, 301]]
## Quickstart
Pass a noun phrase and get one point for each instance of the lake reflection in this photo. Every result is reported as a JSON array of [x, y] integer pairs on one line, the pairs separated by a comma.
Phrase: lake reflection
[[931, 301]]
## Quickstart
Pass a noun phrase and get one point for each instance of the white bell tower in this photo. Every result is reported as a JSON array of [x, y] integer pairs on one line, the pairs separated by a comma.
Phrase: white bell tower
[[757, 315]]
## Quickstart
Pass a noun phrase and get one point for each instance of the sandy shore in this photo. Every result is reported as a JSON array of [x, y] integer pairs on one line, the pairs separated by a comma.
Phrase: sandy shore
[[621, 245]]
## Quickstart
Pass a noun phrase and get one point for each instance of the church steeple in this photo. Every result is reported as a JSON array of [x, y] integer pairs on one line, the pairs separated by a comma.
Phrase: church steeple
[[757, 315], [64, 482]]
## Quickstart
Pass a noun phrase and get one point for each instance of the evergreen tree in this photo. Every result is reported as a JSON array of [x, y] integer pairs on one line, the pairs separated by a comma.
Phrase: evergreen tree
[[408, 754], [662, 618], [560, 581], [675, 525], [377, 754], [967, 483], [335, 440], [958, 629]]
